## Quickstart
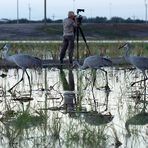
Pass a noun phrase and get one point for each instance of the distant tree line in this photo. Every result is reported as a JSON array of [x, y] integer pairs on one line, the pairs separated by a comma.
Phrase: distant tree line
[[113, 20], [86, 20], [24, 20]]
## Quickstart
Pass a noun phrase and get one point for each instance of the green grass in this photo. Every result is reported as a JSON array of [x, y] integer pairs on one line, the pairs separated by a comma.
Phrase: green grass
[[52, 50]]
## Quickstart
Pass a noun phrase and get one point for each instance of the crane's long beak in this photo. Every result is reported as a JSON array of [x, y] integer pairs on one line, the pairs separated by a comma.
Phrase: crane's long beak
[[2, 47], [122, 46]]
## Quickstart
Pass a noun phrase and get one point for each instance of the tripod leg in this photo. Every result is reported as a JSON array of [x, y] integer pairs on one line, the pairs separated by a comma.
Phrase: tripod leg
[[84, 40], [77, 43]]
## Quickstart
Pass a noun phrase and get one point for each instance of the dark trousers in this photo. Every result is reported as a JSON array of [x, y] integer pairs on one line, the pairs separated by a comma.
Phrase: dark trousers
[[68, 43]]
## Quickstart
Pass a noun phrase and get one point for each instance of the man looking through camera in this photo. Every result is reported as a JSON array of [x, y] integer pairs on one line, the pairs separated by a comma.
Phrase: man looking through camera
[[69, 25]]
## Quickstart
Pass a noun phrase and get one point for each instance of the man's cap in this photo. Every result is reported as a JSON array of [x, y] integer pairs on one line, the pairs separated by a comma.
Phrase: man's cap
[[71, 13]]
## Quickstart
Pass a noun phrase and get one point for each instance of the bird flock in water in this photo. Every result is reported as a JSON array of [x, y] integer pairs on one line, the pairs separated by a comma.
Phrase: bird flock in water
[[25, 61]]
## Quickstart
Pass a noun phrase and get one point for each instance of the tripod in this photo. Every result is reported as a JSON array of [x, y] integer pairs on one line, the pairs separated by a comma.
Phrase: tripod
[[78, 31]]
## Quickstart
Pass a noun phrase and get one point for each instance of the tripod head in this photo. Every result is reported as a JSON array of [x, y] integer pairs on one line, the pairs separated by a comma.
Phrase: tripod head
[[80, 10], [79, 17], [79, 30]]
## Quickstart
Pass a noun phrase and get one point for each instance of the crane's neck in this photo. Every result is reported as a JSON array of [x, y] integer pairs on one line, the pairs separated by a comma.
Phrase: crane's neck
[[81, 67], [77, 63], [127, 53], [5, 53]]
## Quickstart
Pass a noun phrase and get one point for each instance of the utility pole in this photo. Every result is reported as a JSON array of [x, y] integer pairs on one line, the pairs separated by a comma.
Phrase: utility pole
[[53, 17], [45, 18], [110, 10], [17, 11], [74, 5], [146, 11], [29, 8]]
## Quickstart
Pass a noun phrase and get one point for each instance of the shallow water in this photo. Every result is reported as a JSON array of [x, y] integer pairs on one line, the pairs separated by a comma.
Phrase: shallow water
[[74, 108]]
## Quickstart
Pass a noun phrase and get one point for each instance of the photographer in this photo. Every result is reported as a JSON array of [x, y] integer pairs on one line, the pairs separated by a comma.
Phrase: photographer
[[69, 25]]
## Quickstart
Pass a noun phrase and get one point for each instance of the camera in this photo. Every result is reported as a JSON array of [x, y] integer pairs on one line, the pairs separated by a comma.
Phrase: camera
[[80, 10], [79, 17]]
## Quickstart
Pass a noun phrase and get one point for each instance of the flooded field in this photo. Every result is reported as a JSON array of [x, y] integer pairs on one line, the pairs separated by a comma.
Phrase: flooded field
[[66, 107], [74, 108]]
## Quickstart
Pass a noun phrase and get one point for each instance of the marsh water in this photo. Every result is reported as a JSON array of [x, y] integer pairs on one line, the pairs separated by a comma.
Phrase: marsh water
[[74, 108]]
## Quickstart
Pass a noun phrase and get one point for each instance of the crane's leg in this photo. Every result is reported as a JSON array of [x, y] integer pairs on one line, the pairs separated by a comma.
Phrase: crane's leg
[[94, 76], [145, 78], [106, 100], [28, 79], [17, 82], [107, 88], [105, 75], [93, 81]]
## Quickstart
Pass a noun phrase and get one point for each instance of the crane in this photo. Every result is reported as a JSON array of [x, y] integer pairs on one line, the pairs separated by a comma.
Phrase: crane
[[23, 61], [95, 62], [139, 62]]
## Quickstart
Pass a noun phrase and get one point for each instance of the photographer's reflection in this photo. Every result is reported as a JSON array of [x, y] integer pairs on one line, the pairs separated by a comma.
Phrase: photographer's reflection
[[69, 94], [141, 117]]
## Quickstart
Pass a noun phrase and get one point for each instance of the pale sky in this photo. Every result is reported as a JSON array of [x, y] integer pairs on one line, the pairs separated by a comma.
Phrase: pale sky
[[58, 9]]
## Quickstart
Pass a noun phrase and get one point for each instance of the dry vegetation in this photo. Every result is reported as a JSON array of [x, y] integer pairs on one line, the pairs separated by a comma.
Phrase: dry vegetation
[[52, 31]]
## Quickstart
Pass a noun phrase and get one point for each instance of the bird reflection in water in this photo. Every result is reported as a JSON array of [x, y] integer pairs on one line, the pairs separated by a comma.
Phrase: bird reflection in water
[[70, 103], [93, 87], [141, 118], [95, 117]]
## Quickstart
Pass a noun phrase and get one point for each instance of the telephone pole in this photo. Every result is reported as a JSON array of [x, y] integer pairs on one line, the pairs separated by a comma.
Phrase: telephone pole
[[17, 11], [45, 18], [29, 8], [73, 5], [146, 11]]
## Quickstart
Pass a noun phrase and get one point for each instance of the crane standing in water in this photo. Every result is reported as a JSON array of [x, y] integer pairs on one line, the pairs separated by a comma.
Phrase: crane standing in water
[[95, 62], [137, 61], [23, 61]]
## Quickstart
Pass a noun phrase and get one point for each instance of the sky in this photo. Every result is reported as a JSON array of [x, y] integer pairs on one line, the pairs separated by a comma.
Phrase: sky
[[57, 9]]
